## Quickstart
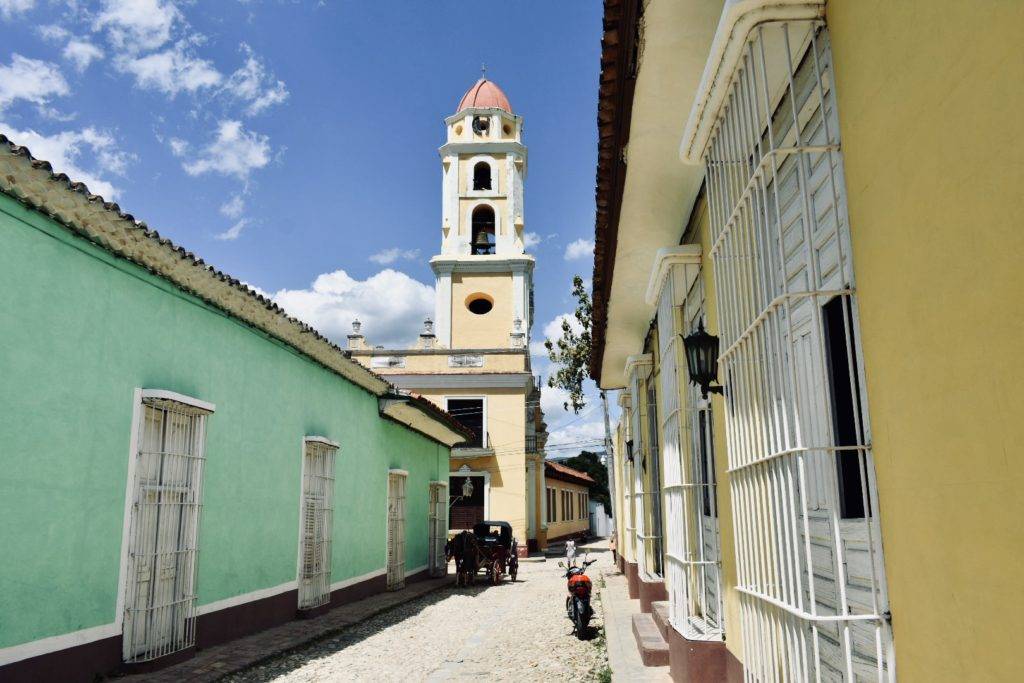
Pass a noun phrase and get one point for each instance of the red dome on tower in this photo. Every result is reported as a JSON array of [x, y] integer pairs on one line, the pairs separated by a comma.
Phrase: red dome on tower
[[484, 94]]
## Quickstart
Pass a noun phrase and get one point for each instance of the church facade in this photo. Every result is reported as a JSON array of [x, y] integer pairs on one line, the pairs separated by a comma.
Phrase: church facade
[[473, 358]]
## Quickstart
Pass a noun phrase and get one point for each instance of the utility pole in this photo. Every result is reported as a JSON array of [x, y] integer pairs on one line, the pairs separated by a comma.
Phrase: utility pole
[[609, 462]]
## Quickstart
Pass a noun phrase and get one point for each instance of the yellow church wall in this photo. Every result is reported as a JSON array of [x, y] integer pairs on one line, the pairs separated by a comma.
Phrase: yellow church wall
[[491, 330], [466, 164], [467, 204], [505, 413], [437, 363], [929, 106]]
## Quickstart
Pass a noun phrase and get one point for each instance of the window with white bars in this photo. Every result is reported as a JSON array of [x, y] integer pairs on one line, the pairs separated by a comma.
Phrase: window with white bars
[[809, 555], [317, 521], [163, 541], [437, 523], [396, 530], [693, 562], [646, 475]]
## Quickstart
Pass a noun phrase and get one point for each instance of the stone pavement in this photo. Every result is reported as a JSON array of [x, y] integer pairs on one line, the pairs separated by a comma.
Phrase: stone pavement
[[216, 662], [623, 655]]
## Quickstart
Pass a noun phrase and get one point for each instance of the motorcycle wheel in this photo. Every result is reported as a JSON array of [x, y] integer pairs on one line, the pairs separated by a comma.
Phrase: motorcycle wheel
[[581, 618]]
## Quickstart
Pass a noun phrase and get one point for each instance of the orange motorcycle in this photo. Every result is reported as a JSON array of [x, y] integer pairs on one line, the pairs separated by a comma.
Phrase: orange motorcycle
[[577, 603]]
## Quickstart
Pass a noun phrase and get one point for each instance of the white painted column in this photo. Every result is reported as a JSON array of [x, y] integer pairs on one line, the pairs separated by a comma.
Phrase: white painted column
[[443, 309]]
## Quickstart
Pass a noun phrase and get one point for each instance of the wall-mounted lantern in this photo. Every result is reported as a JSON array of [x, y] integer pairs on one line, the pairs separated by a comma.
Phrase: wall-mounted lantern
[[702, 359], [467, 487]]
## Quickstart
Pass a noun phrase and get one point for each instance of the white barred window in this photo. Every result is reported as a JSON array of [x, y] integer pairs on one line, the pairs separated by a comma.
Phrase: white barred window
[[809, 556], [317, 521], [163, 541]]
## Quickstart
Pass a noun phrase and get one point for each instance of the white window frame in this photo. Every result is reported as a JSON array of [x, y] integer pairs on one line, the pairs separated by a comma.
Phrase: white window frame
[[179, 613], [314, 577], [820, 614], [395, 530], [437, 527], [485, 440]]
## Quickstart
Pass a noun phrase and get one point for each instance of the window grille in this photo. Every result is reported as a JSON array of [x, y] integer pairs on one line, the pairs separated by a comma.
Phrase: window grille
[[811, 580], [645, 495], [437, 522], [396, 530], [317, 522], [160, 593], [693, 565]]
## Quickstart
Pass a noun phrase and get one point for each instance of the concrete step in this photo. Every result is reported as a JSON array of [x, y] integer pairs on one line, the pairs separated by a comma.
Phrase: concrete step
[[649, 641], [659, 610]]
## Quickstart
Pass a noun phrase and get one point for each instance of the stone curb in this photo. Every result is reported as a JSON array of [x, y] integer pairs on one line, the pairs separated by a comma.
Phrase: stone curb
[[238, 655]]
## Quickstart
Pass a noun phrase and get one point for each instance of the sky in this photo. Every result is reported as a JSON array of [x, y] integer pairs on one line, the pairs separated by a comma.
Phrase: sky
[[293, 144]]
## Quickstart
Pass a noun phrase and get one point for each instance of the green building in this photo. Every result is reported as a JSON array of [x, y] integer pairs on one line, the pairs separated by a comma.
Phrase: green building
[[181, 463]]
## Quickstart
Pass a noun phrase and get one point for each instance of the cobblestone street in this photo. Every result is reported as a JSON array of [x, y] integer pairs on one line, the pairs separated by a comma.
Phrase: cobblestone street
[[514, 631]]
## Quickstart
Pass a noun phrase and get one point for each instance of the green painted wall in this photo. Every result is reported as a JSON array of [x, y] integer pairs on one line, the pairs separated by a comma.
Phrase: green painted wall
[[80, 330]]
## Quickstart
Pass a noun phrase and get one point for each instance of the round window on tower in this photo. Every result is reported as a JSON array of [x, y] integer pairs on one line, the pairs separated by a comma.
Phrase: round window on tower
[[507, 129], [479, 304], [458, 129]]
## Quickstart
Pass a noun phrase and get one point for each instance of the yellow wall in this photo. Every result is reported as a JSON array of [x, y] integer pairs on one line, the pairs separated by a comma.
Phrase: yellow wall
[[506, 426], [700, 221], [437, 363], [498, 181], [491, 330], [930, 102], [562, 527]]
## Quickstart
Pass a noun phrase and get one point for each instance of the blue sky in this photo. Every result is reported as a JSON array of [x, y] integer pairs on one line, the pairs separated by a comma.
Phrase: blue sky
[[294, 144]]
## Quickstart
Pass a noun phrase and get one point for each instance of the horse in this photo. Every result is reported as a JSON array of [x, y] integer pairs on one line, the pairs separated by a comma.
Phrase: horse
[[463, 547]]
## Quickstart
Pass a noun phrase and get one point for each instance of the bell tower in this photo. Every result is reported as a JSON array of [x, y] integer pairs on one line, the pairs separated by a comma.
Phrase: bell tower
[[484, 276]]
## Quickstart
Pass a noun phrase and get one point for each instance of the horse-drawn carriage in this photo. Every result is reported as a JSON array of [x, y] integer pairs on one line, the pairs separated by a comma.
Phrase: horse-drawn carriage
[[490, 547]]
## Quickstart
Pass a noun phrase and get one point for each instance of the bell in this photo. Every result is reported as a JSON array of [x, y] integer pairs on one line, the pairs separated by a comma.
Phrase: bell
[[482, 240]]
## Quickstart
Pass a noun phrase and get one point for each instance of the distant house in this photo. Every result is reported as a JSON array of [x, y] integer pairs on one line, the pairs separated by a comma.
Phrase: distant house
[[182, 462], [568, 501]]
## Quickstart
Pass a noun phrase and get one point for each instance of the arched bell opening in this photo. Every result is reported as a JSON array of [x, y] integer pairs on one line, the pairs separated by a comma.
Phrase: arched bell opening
[[482, 238], [482, 176]]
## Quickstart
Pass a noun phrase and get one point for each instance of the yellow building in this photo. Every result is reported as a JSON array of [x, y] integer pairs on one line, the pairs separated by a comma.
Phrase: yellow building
[[829, 192], [567, 501], [473, 358]]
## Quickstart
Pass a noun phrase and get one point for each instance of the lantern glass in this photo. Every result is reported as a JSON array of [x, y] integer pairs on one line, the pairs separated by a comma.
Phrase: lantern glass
[[467, 487], [701, 357]]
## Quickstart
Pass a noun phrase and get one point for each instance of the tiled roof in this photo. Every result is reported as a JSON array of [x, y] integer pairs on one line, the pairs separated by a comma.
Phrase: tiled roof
[[34, 183], [558, 468], [619, 64]]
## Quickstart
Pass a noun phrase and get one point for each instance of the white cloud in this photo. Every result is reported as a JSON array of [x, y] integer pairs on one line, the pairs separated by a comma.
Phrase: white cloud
[[234, 152], [8, 8], [531, 239], [234, 231], [389, 256], [252, 83], [553, 331], [552, 400], [69, 151], [233, 207], [52, 32], [179, 147], [81, 53], [390, 304], [581, 248], [137, 25], [172, 71], [32, 80], [577, 436]]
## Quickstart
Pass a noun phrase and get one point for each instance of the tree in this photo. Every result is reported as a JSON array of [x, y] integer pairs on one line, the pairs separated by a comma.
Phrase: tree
[[571, 353], [591, 464]]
